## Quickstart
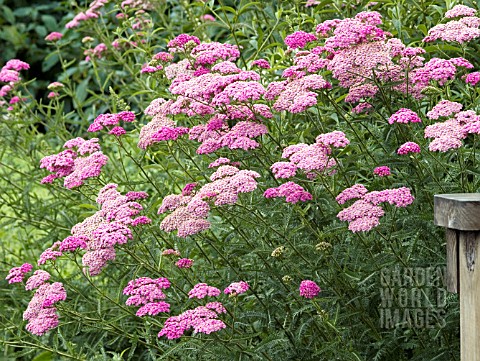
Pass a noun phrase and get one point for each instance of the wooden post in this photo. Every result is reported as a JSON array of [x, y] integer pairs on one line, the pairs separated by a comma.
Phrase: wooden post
[[460, 214]]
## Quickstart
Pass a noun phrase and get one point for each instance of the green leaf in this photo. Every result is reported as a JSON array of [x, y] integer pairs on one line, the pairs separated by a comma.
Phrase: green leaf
[[44, 356], [8, 14]]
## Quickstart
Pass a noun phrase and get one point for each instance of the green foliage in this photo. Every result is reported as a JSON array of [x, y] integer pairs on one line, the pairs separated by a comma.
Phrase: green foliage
[[271, 321]]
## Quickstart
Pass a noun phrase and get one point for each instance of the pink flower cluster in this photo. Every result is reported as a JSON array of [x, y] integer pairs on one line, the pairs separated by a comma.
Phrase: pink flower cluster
[[236, 288], [309, 289], [299, 39], [91, 13], [460, 10], [365, 213], [184, 263], [439, 70], [408, 147], [404, 115], [444, 108], [472, 78], [101, 232], [202, 290], [147, 292], [16, 274], [358, 54], [110, 121], [54, 36], [203, 319], [450, 133], [190, 212], [382, 171], [296, 94], [292, 192], [10, 73], [312, 159], [75, 166], [41, 313], [462, 30]]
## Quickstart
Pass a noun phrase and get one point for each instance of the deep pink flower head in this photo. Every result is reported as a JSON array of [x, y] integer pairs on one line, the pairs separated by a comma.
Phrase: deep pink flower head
[[472, 78], [382, 171], [309, 289], [181, 40], [184, 263], [299, 39], [404, 115], [16, 274], [261, 63], [54, 36], [408, 147]]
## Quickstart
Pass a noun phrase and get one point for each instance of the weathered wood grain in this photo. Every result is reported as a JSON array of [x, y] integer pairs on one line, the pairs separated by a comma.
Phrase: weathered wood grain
[[469, 269], [458, 211], [452, 280]]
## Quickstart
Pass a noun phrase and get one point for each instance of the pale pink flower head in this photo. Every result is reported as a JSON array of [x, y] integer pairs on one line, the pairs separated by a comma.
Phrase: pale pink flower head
[[236, 288], [382, 171], [202, 290], [309, 289], [460, 10], [408, 147], [444, 108], [53, 36], [170, 252], [207, 17]]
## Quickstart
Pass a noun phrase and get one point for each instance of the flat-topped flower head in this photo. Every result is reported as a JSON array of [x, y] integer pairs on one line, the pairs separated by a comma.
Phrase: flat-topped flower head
[[408, 148], [236, 288], [17, 274], [405, 116]]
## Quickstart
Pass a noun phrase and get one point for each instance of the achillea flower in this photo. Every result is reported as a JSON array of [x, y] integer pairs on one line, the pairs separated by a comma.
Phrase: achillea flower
[[16, 65], [283, 169], [202, 290], [292, 192], [460, 10], [444, 108], [180, 41], [365, 213], [52, 95], [299, 39], [461, 31], [184, 263], [408, 147], [38, 278], [69, 165], [237, 288], [153, 309], [207, 17], [110, 120], [145, 291], [41, 313], [405, 116], [472, 78], [218, 162], [362, 108], [169, 252], [201, 319], [190, 212], [54, 36], [16, 274], [309, 289], [261, 63], [382, 171]]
